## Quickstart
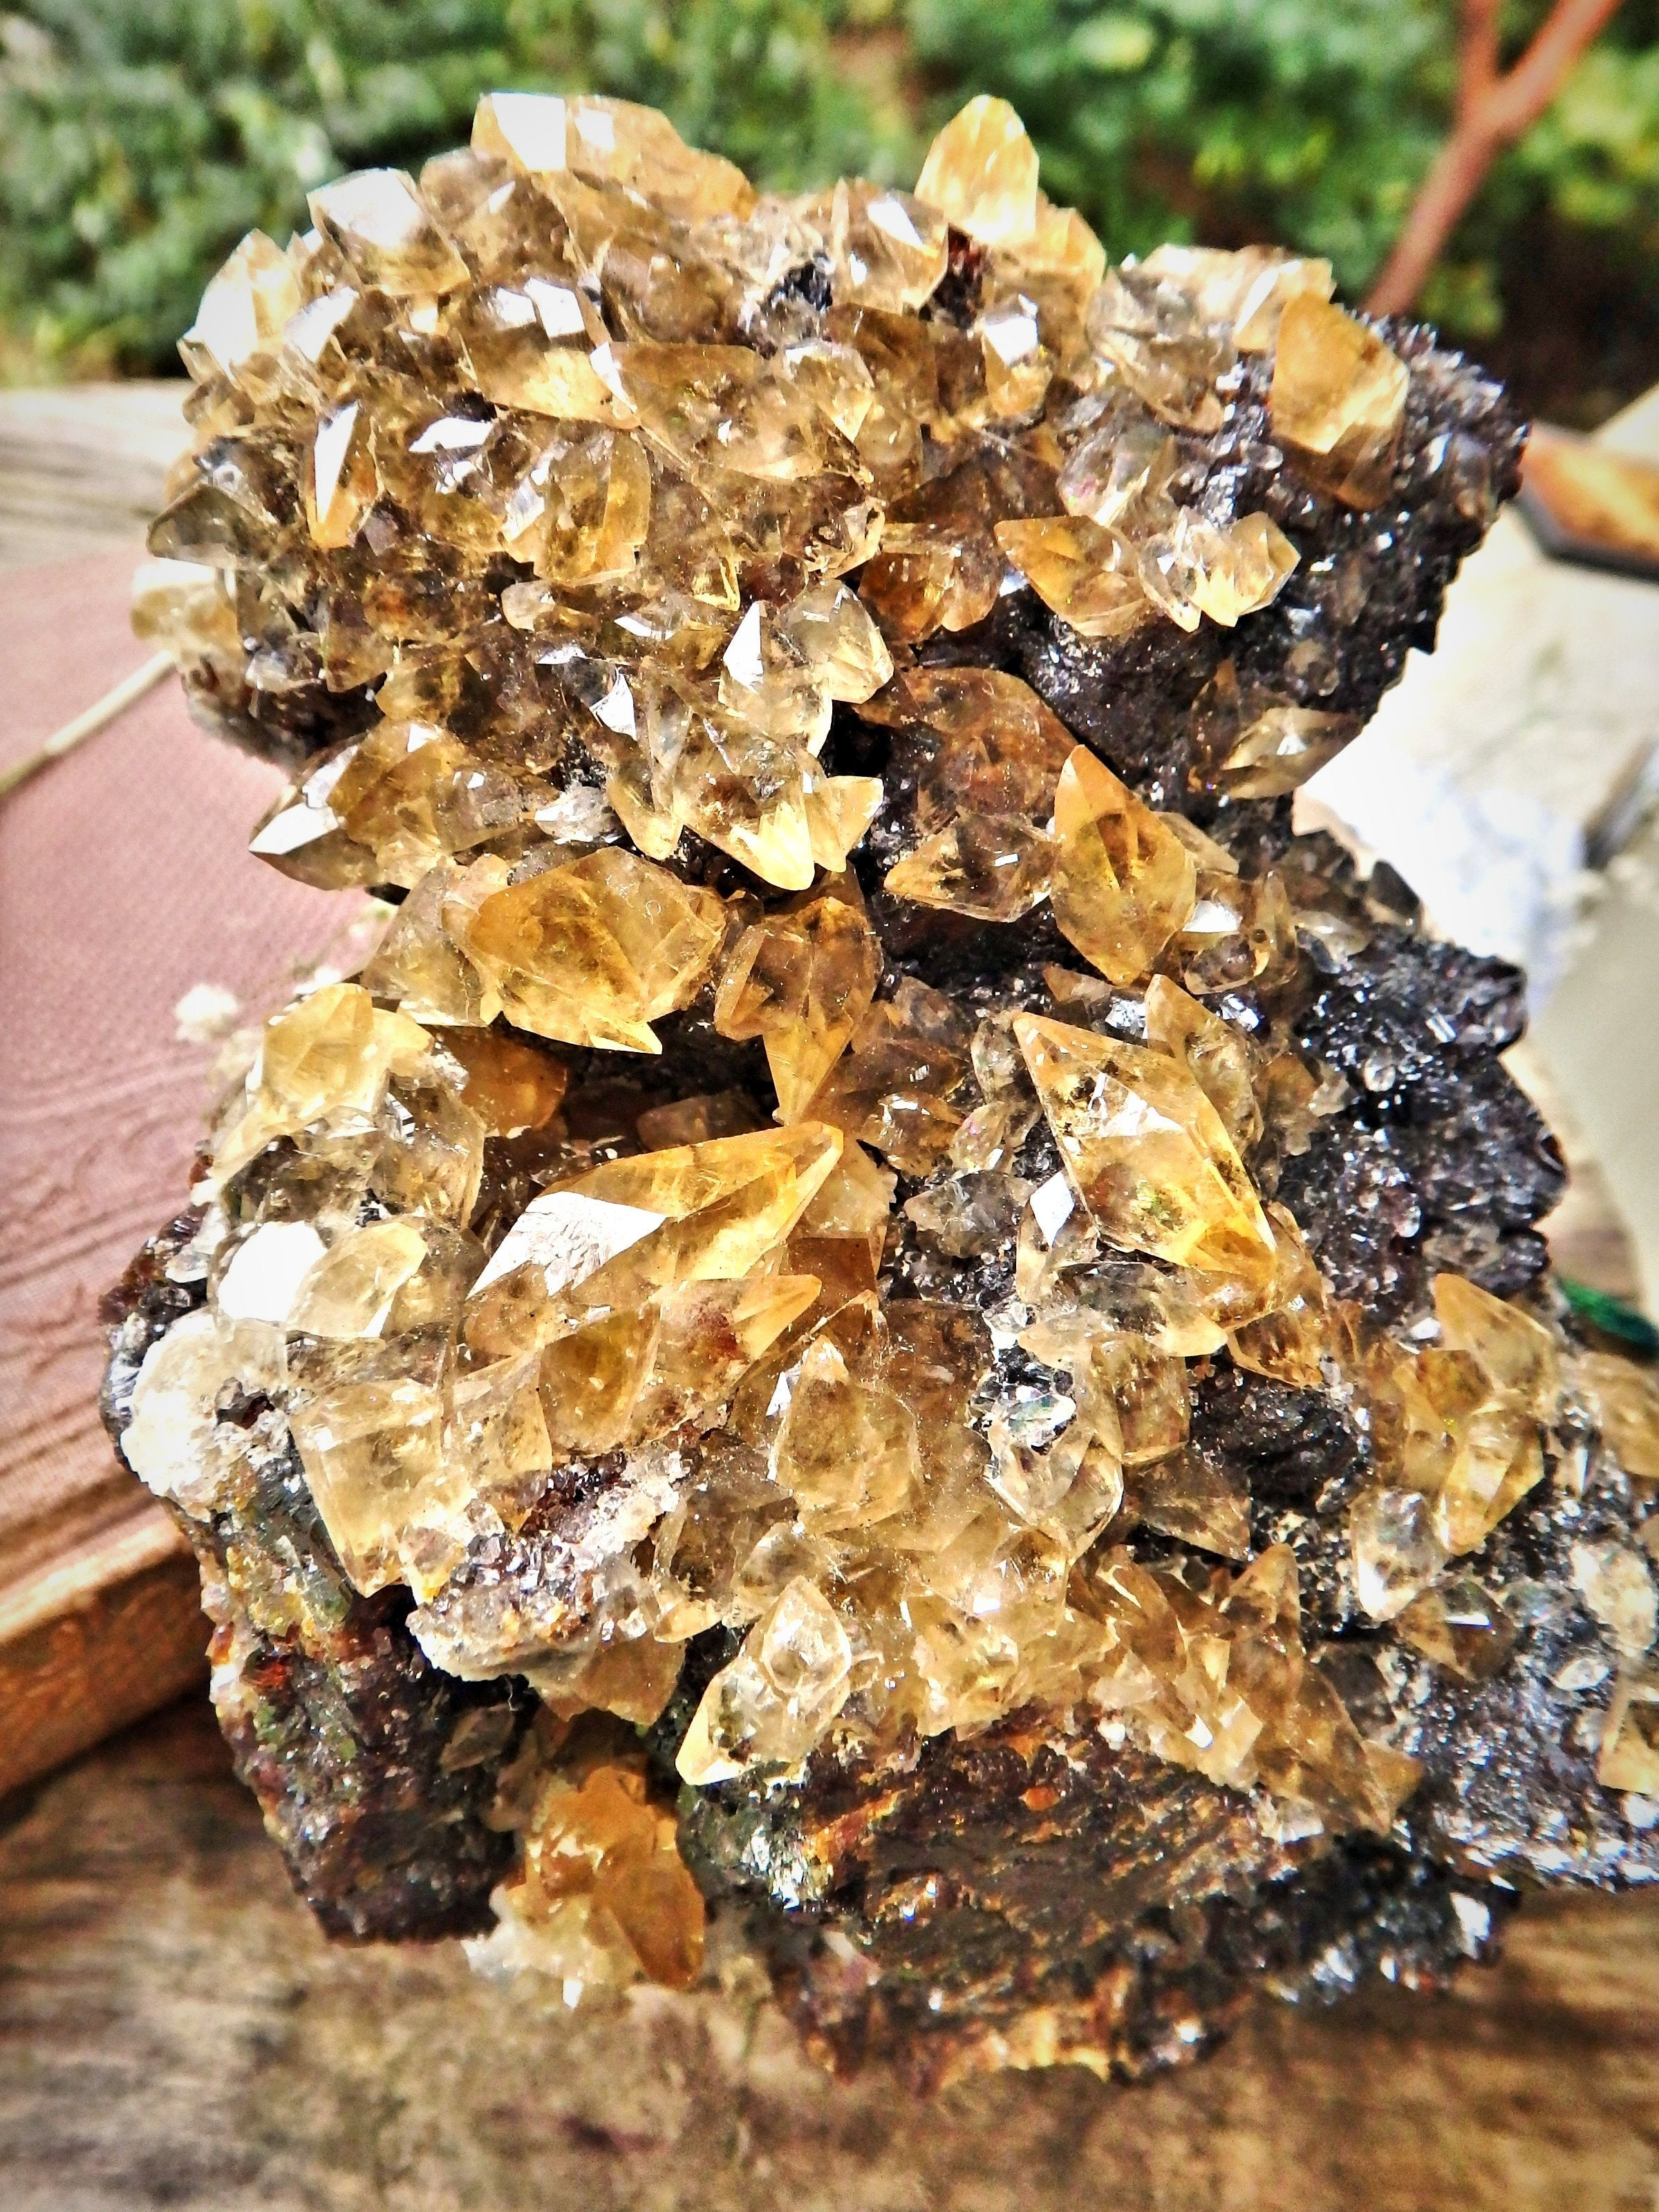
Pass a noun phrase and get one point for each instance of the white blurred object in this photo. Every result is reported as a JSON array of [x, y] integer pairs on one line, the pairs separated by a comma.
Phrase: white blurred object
[[1520, 755]]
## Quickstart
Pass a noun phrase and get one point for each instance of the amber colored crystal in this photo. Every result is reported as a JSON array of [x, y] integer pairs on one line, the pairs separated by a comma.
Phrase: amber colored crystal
[[772, 1703], [1246, 291], [887, 250], [1461, 1627], [1338, 397], [1185, 1497], [1218, 1055], [988, 744], [610, 142], [1397, 1554], [841, 1237], [392, 1503], [992, 867], [1629, 1756], [419, 963], [1083, 572], [325, 1061], [892, 1087], [980, 173], [638, 1370], [350, 1291], [1292, 1341], [510, 1086], [593, 951], [1240, 930], [1615, 1581], [377, 220], [1518, 1353], [602, 1898], [1123, 881], [802, 982], [246, 307], [604, 1243], [845, 1451], [1147, 1151], [1258, 746], [1626, 1404]]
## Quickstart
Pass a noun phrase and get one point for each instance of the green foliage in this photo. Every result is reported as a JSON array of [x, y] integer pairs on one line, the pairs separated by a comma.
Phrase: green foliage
[[139, 138], [1309, 121]]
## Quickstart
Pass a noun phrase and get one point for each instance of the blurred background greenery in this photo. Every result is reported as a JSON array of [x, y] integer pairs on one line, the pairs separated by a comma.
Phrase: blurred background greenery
[[140, 138]]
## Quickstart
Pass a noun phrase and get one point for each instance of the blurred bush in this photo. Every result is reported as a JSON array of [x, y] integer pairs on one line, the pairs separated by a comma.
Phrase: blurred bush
[[140, 138]]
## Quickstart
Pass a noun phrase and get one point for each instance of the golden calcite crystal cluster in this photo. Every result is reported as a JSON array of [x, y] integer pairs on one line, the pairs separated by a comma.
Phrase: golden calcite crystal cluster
[[648, 1252]]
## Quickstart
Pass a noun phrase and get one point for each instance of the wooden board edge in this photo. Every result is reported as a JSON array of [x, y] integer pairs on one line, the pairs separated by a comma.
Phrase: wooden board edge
[[95, 1641]]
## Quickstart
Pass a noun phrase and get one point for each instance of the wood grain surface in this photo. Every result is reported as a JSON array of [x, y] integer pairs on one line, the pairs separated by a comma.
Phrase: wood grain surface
[[125, 879], [174, 2032]]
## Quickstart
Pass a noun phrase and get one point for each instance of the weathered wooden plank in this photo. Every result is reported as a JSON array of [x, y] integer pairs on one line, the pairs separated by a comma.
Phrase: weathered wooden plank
[[127, 881], [173, 2032], [83, 466]]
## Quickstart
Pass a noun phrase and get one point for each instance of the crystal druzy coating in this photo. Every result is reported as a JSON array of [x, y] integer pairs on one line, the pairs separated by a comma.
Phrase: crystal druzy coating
[[889, 1330]]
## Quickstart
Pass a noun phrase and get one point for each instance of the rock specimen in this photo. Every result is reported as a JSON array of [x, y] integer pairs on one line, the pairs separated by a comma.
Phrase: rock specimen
[[891, 1332]]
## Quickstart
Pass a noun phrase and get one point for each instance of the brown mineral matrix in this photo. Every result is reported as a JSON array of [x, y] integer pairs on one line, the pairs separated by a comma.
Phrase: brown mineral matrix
[[891, 1342]]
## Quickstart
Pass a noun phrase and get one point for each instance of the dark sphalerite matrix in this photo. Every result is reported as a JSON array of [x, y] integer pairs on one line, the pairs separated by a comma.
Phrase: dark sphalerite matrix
[[888, 1316]]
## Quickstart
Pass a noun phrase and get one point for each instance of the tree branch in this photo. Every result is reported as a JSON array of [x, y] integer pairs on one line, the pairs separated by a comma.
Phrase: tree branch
[[1477, 55], [1494, 110]]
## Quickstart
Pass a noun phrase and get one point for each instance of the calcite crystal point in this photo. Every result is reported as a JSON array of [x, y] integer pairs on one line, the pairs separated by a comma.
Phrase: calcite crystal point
[[891, 1332]]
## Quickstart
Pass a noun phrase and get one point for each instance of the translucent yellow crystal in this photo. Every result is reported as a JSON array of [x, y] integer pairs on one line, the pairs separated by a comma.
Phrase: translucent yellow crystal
[[780, 1695], [510, 1086], [1186, 1497], [1218, 1054], [639, 1371], [1123, 881], [602, 1897], [1241, 930], [419, 963], [1259, 747], [842, 1236], [1626, 1405], [1468, 1447], [1518, 1355], [988, 744], [605, 1241], [352, 1290], [891, 1087], [993, 867], [592, 952], [377, 220], [801, 981], [1083, 572], [373, 1451], [980, 173], [246, 307], [1629, 1756], [610, 142], [1461, 1627], [1337, 396], [1614, 1581], [723, 405], [845, 1452], [1146, 1152], [1246, 291], [1291, 1341], [887, 250], [1397, 1555], [323, 1063]]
